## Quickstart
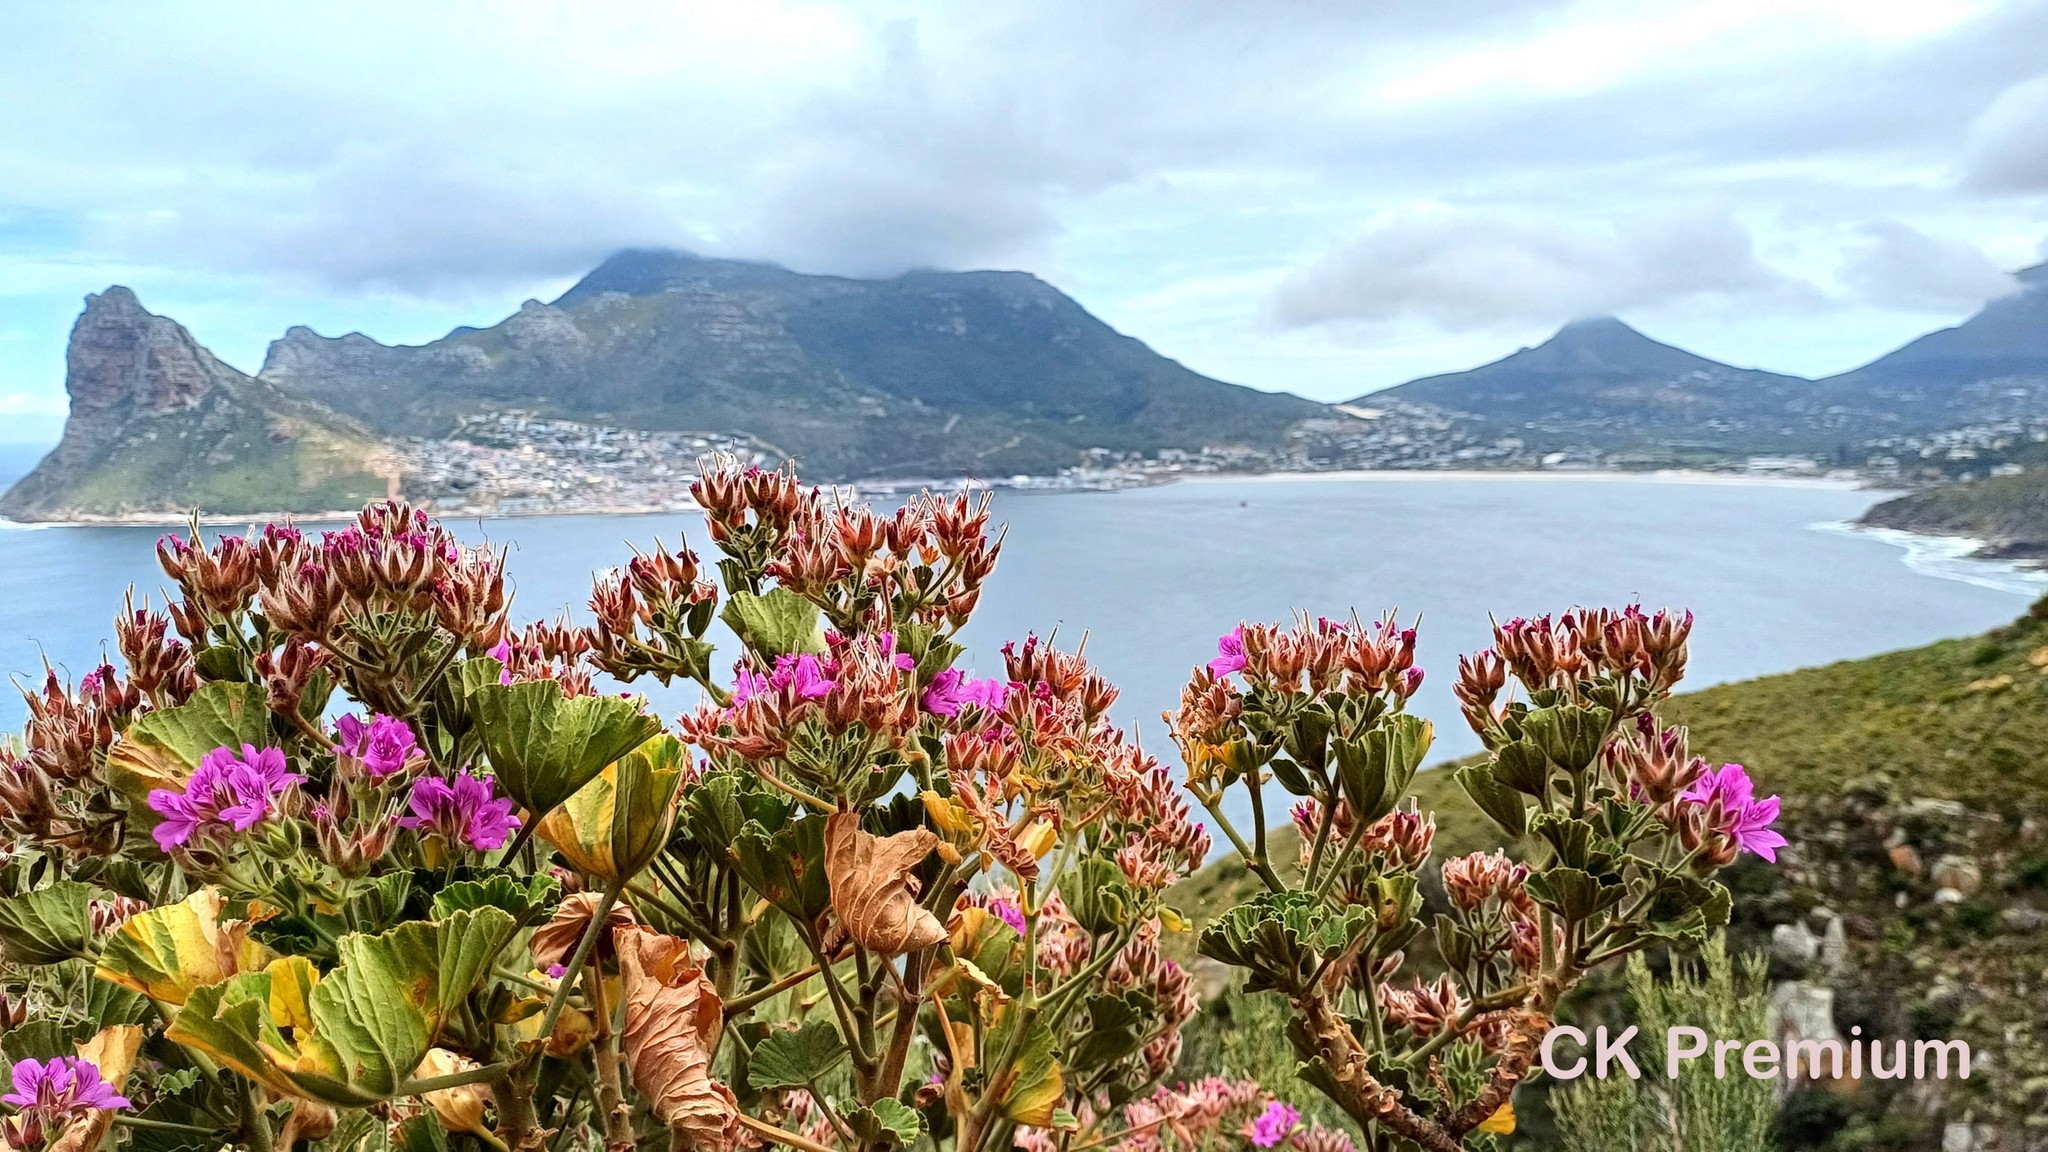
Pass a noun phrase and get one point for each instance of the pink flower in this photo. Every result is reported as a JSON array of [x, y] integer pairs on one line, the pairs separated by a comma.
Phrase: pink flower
[[802, 675], [1230, 653], [1275, 1124], [464, 810], [952, 690], [1729, 795], [226, 789], [381, 747], [60, 1088], [1007, 911]]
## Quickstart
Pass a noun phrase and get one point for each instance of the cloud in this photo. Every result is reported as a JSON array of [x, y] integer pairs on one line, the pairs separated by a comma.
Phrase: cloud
[[1474, 268], [1900, 267], [2008, 149]]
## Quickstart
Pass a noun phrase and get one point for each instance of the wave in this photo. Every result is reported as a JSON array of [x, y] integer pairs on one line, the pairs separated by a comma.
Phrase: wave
[[1951, 558]]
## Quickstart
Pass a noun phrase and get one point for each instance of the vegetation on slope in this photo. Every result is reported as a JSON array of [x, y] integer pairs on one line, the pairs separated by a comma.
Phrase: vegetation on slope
[[1915, 786], [2009, 513]]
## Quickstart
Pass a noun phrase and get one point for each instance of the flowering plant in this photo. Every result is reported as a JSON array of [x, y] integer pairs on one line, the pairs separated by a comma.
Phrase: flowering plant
[[1618, 830], [349, 858]]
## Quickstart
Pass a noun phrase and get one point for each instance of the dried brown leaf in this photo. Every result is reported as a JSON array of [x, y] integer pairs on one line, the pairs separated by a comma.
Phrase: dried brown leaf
[[673, 1017], [555, 941], [873, 892]]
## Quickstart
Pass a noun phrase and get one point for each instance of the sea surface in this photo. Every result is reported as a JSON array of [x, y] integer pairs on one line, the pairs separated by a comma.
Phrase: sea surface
[[1151, 577]]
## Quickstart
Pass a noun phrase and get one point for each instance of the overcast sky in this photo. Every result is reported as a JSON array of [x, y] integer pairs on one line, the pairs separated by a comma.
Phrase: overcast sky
[[1319, 197]]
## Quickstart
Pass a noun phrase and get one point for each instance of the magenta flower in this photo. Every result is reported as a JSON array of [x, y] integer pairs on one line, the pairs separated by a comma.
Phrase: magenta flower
[[1275, 1124], [952, 690], [1229, 653], [1743, 818], [465, 810], [60, 1088], [1007, 911], [379, 748], [226, 789], [802, 675]]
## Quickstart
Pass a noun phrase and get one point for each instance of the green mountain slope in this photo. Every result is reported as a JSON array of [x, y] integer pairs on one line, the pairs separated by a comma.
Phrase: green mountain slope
[[2008, 513], [931, 372], [159, 426]]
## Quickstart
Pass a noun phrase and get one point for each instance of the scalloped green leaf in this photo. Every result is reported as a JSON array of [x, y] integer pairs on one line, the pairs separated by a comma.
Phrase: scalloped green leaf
[[527, 903], [544, 744], [794, 1058], [777, 622], [48, 925]]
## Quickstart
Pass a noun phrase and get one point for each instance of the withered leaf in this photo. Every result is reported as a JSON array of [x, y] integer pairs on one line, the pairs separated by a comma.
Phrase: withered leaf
[[873, 893], [673, 1016], [555, 941]]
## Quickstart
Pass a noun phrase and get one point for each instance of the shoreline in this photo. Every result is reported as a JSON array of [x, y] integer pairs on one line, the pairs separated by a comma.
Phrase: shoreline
[[1380, 475], [1530, 475]]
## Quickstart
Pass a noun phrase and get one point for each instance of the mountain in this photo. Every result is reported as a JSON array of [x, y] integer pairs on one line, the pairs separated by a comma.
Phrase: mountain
[[990, 373], [159, 425], [1993, 365], [1600, 382]]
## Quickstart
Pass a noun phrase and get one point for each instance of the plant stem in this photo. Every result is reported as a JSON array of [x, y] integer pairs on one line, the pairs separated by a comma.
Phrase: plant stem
[[454, 1079], [255, 1127], [782, 1135]]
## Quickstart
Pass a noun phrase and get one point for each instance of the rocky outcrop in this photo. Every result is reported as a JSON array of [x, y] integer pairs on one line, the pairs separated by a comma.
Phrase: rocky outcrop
[[159, 425]]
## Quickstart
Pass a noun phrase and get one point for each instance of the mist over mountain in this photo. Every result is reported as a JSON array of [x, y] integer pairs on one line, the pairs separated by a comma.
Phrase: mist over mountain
[[984, 373]]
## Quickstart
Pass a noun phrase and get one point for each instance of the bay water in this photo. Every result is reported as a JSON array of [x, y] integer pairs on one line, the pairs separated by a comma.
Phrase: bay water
[[1152, 576]]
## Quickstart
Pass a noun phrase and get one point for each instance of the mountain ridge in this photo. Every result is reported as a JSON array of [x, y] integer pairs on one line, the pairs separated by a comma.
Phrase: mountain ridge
[[985, 372]]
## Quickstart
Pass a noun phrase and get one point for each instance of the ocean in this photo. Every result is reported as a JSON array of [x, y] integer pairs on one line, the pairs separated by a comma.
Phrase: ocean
[[1150, 577]]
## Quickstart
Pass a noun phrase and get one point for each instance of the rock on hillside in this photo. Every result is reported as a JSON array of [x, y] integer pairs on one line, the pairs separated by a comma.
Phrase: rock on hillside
[[159, 425], [989, 373]]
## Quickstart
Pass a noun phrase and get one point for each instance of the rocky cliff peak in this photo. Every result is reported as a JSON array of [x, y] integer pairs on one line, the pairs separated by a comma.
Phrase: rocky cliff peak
[[122, 356]]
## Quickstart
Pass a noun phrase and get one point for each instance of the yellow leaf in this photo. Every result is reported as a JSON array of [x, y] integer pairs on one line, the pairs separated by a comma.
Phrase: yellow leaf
[[166, 952], [291, 989], [1502, 1122]]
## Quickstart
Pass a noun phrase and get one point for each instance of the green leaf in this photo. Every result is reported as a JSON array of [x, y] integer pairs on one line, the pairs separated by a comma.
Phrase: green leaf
[[1569, 734], [527, 903], [1118, 1025], [1500, 802], [1376, 767], [544, 745], [1521, 765], [786, 867], [1279, 937], [364, 1027], [48, 925], [776, 623], [43, 1040], [1573, 894], [886, 1121], [794, 1059], [1097, 894], [1039, 1085]]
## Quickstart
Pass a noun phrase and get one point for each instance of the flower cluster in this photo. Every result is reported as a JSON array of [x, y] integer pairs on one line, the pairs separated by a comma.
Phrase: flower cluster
[[50, 1094], [230, 791], [463, 809]]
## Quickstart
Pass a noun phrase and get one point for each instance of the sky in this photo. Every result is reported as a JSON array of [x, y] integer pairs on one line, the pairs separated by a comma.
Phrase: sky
[[1325, 198]]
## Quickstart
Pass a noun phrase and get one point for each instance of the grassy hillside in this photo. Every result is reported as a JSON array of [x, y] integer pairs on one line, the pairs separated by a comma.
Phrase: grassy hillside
[[1916, 798]]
